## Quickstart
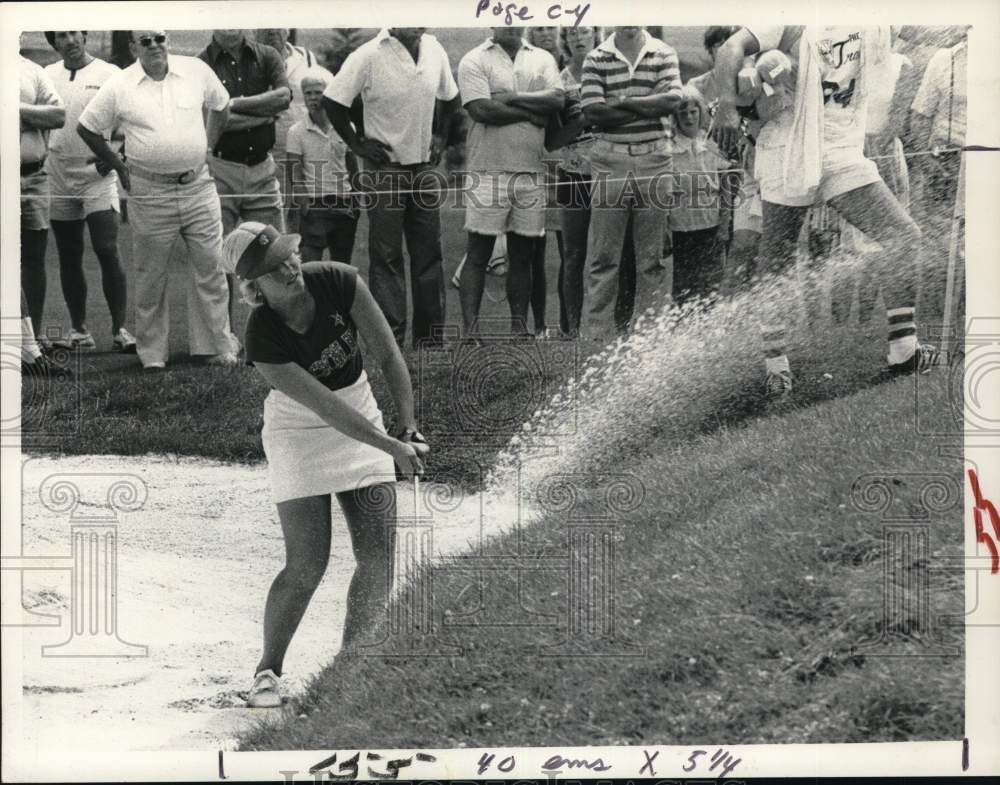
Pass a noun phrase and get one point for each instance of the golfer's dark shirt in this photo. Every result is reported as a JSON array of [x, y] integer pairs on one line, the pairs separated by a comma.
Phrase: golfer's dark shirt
[[259, 69], [329, 348]]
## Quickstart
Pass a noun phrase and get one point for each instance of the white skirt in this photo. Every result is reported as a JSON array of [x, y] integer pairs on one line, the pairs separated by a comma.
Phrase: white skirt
[[307, 457]]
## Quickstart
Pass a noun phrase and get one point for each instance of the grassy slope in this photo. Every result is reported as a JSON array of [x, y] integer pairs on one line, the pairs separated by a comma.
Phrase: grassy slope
[[747, 575]]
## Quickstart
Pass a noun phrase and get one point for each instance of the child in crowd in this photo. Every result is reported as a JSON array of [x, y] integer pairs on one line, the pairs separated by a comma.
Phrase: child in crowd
[[322, 168], [701, 212]]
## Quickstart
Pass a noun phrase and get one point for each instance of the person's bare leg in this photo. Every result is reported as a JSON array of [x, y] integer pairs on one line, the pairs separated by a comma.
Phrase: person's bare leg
[[305, 524], [103, 227], [473, 280], [69, 243], [370, 514], [33, 242], [876, 212]]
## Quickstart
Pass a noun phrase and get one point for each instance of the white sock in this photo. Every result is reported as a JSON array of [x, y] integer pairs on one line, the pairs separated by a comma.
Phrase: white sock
[[29, 346], [902, 349], [775, 359], [777, 364], [902, 334]]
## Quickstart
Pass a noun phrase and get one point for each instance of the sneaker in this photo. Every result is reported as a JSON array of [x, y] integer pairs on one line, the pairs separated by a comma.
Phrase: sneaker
[[923, 359], [76, 340], [778, 386], [154, 367], [226, 360], [123, 342], [265, 692]]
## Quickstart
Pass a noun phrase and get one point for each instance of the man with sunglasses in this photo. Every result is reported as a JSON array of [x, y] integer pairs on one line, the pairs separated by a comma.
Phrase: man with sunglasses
[[157, 102]]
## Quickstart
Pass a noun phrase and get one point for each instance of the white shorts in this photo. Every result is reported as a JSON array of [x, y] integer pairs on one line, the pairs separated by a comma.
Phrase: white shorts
[[845, 169], [306, 457], [78, 190], [506, 202]]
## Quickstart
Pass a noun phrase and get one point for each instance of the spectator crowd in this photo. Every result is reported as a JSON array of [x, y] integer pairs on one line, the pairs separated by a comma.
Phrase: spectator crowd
[[656, 191]]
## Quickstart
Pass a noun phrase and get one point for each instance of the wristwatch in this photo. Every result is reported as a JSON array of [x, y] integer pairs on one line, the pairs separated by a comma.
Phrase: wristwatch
[[410, 435]]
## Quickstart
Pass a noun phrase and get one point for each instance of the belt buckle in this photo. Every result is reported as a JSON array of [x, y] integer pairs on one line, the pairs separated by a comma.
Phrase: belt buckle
[[635, 148], [186, 177]]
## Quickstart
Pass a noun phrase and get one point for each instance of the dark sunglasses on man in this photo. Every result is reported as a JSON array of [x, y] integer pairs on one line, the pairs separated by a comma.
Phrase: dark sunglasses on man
[[148, 40]]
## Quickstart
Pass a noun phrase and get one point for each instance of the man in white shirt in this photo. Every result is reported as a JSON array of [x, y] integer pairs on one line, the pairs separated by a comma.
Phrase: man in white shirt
[[510, 89], [84, 193], [158, 103], [404, 79], [41, 110], [813, 151]]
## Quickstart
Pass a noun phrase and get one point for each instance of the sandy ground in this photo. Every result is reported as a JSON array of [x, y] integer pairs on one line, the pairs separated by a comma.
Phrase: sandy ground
[[194, 566]]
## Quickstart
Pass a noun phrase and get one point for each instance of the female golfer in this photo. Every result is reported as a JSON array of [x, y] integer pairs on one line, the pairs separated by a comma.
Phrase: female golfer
[[323, 431]]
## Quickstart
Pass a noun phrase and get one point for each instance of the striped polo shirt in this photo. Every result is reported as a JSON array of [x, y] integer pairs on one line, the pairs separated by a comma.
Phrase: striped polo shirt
[[607, 72]]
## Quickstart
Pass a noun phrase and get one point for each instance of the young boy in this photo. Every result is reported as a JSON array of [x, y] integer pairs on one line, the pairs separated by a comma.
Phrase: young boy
[[322, 167]]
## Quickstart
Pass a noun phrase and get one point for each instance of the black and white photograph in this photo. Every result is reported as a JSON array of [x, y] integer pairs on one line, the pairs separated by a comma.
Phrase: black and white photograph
[[487, 400]]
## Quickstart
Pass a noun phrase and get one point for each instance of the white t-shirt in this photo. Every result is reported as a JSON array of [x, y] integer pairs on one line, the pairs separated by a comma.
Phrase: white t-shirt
[[399, 95], [882, 91], [76, 88], [839, 51], [36, 89], [943, 95], [323, 154], [487, 69], [162, 120]]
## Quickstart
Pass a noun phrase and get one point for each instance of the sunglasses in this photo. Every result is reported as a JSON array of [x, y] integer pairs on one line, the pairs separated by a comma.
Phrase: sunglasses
[[148, 40]]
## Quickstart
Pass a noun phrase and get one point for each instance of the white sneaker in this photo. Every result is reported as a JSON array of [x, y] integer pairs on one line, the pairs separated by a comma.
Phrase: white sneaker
[[265, 692], [123, 342], [226, 360], [76, 340]]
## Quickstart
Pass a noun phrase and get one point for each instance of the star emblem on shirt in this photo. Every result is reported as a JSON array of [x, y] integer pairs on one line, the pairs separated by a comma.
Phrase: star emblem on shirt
[[338, 319]]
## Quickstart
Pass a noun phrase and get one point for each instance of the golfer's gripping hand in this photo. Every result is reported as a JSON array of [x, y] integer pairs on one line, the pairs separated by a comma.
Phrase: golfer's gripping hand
[[409, 457]]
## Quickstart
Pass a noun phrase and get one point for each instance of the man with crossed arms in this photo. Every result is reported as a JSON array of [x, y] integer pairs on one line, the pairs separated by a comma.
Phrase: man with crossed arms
[[157, 102]]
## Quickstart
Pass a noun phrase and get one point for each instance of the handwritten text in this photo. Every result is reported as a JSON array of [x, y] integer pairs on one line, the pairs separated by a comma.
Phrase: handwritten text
[[513, 13]]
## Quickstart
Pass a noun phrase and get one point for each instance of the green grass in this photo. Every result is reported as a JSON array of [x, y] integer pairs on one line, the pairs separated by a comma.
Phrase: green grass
[[747, 575]]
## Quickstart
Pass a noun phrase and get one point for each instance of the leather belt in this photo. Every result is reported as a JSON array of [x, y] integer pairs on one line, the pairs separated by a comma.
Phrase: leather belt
[[170, 178], [250, 159], [633, 148], [34, 166]]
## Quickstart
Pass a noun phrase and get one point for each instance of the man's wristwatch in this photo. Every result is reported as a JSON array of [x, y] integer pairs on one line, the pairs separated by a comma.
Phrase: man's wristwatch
[[410, 435]]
